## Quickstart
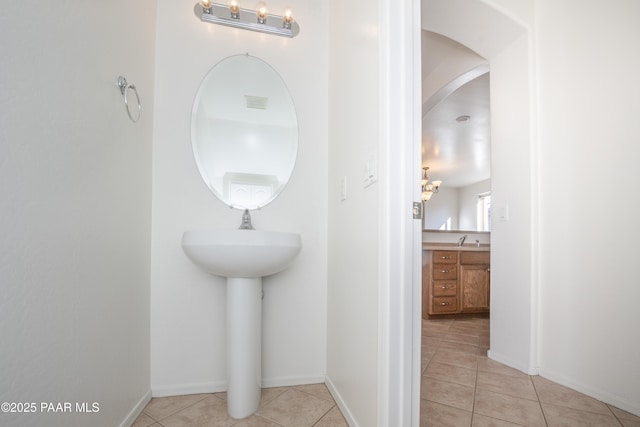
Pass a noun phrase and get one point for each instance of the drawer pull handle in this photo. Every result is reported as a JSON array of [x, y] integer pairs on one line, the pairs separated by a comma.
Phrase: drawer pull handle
[[445, 303], [445, 287], [444, 257], [444, 271]]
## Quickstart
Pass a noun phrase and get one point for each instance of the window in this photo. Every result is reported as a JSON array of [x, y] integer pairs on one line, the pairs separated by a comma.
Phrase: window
[[484, 211]]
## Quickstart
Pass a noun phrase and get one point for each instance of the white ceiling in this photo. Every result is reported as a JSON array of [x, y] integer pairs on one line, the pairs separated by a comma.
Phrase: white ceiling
[[458, 153]]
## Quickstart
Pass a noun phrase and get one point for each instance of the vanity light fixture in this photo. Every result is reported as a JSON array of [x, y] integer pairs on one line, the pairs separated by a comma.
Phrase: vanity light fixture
[[231, 15], [428, 189]]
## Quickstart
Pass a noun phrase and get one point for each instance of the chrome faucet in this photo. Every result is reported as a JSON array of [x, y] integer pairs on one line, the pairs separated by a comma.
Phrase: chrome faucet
[[461, 240], [246, 221]]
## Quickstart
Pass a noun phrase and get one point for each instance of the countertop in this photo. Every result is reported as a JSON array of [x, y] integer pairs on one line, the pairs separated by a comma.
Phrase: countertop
[[455, 247]]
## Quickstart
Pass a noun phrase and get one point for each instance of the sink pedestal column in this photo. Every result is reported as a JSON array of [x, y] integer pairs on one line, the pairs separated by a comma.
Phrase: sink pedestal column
[[244, 345]]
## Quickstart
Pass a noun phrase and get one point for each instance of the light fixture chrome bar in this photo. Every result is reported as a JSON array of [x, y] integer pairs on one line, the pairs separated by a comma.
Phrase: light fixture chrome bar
[[246, 20]]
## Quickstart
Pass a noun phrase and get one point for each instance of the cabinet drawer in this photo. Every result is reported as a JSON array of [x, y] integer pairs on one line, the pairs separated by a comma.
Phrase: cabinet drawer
[[445, 304], [445, 257], [478, 258], [445, 289], [445, 272]]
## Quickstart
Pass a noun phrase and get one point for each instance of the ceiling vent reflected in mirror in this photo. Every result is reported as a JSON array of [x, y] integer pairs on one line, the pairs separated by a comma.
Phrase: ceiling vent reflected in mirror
[[257, 102]]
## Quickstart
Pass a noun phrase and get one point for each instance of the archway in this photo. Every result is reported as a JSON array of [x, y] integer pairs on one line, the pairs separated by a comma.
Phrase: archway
[[503, 38]]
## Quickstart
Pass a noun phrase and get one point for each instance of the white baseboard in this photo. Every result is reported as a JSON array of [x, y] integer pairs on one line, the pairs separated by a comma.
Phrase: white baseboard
[[604, 396], [184, 389], [220, 386], [529, 370], [137, 410], [348, 416], [292, 381], [596, 393]]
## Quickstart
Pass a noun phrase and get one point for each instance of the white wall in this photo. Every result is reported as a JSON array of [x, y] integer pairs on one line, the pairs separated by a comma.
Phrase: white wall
[[589, 134], [75, 199], [441, 211], [511, 234], [455, 206], [188, 305], [352, 322]]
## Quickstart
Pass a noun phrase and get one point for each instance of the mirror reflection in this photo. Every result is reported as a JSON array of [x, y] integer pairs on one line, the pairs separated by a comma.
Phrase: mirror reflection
[[244, 132], [456, 139]]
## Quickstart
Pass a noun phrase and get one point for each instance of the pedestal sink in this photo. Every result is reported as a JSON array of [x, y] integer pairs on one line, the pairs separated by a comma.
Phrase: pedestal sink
[[243, 257]]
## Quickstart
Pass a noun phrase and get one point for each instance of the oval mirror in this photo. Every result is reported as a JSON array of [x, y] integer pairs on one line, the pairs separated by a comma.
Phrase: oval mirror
[[244, 132]]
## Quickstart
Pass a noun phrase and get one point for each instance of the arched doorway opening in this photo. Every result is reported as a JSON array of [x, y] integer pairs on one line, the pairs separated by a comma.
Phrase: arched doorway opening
[[503, 39]]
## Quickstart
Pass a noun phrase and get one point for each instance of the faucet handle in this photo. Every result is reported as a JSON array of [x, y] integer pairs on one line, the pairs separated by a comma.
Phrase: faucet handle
[[246, 221]]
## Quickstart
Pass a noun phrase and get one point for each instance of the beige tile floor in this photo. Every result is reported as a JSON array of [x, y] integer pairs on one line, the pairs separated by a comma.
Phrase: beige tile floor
[[300, 406], [462, 387]]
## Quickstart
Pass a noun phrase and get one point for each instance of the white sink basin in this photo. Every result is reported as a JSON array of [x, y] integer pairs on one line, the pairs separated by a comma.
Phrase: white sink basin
[[243, 257], [241, 253]]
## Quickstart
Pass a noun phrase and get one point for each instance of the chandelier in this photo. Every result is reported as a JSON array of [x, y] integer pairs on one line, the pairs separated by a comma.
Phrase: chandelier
[[428, 189]]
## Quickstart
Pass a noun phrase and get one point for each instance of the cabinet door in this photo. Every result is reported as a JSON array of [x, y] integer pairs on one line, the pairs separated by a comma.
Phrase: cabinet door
[[474, 288]]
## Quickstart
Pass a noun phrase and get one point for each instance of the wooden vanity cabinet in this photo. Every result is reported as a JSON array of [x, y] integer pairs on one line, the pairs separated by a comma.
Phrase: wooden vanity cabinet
[[455, 282], [474, 282]]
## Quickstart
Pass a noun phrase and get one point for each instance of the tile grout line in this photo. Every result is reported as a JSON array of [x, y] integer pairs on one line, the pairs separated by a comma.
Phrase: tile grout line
[[544, 415], [323, 415], [264, 418], [475, 394], [475, 386], [565, 406], [313, 395], [177, 411], [614, 414]]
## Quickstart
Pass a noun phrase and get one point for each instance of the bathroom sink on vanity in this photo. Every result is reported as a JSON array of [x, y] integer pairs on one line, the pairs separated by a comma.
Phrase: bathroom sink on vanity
[[454, 247]]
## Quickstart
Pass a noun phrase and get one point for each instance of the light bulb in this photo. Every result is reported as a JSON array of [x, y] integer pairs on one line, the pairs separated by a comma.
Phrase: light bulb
[[206, 4], [287, 19], [262, 14], [234, 9]]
